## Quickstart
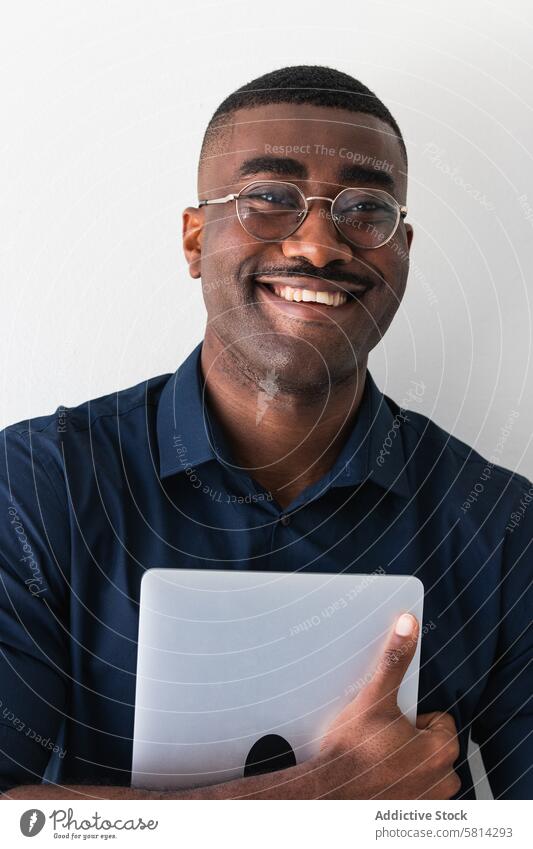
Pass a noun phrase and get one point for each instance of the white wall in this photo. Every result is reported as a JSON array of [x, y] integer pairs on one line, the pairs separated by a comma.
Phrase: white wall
[[103, 111], [106, 103]]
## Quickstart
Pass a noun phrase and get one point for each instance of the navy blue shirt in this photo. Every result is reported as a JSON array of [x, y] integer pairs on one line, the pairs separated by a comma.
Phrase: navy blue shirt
[[94, 495]]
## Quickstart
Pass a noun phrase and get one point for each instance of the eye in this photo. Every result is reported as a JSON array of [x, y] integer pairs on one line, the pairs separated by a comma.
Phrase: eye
[[368, 206], [279, 198], [271, 197]]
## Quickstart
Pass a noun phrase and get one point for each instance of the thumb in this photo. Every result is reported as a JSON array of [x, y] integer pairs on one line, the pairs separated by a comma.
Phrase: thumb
[[381, 692]]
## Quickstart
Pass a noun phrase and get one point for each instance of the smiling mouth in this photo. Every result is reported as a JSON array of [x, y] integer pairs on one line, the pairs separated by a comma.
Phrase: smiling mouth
[[309, 296], [309, 291]]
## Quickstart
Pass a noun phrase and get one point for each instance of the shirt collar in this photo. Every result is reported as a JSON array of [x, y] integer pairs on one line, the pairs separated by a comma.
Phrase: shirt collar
[[374, 449], [183, 433], [187, 438]]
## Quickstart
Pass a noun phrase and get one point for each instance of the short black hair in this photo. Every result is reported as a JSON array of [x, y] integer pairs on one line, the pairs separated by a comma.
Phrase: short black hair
[[315, 84]]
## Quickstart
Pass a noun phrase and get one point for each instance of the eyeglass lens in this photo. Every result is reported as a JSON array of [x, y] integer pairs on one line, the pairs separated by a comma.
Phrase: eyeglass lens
[[272, 211]]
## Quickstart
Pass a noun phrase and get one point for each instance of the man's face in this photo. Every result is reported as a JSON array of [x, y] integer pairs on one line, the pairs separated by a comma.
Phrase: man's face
[[321, 150]]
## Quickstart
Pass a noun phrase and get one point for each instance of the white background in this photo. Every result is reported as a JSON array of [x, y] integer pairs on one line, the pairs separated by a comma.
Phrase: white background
[[103, 111]]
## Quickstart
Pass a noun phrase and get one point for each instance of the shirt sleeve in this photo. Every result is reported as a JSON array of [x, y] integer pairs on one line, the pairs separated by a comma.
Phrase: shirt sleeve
[[504, 722], [34, 546]]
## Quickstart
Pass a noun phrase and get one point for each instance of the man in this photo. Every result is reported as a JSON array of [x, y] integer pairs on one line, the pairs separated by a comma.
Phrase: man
[[271, 448]]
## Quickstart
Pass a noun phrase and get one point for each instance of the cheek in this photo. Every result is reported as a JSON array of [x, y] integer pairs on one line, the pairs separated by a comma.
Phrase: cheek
[[218, 273], [383, 300], [224, 249], [386, 301], [397, 259], [393, 267], [223, 234]]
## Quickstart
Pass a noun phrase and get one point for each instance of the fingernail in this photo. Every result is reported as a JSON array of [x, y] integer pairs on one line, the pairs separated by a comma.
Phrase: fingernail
[[405, 625]]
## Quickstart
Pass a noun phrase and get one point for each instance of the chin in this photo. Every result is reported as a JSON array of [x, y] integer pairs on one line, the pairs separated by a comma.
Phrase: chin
[[293, 366]]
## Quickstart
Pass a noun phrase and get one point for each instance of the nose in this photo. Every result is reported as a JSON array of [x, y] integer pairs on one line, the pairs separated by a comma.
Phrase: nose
[[317, 239]]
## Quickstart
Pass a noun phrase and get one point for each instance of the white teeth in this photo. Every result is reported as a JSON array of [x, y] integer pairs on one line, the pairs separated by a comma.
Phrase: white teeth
[[331, 299]]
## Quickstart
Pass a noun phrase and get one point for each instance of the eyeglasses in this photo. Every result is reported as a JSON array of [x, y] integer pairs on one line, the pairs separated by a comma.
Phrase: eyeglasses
[[272, 210]]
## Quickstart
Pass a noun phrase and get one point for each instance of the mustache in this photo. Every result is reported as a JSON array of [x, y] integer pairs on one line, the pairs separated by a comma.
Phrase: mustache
[[334, 273]]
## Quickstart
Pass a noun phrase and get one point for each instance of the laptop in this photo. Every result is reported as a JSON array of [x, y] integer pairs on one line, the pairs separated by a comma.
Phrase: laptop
[[243, 672]]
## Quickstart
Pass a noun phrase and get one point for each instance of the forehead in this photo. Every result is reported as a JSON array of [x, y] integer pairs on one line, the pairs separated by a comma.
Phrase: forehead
[[304, 143]]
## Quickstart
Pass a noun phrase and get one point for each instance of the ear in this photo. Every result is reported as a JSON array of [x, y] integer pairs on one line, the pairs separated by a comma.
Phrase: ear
[[409, 232], [193, 224]]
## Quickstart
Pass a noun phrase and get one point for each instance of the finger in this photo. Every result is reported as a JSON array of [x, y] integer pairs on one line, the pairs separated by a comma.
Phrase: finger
[[424, 719], [446, 788], [382, 690], [440, 722]]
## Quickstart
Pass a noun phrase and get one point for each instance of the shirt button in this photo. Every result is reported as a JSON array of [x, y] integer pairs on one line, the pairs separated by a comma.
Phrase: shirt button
[[285, 520]]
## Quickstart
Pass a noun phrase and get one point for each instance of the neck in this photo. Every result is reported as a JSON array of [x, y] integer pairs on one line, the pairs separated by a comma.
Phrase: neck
[[285, 441]]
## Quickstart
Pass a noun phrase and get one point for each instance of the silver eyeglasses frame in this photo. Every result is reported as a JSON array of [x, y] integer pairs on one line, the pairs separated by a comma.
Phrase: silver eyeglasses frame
[[401, 211]]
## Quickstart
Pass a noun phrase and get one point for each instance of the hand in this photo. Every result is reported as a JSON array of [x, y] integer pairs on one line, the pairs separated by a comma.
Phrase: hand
[[373, 752]]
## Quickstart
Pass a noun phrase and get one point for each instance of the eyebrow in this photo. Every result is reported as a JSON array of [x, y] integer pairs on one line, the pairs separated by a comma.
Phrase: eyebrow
[[283, 166], [358, 174], [286, 166]]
